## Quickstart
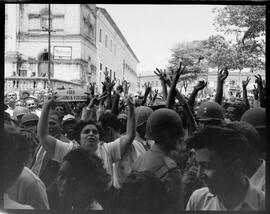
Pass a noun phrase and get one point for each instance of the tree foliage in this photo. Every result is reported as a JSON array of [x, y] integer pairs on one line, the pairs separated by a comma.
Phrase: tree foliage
[[191, 54], [247, 23]]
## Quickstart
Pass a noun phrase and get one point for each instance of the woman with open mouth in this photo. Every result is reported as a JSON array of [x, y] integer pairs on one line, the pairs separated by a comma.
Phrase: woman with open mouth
[[87, 135]]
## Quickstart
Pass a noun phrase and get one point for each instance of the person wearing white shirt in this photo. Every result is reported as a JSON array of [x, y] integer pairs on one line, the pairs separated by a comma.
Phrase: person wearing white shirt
[[221, 153]]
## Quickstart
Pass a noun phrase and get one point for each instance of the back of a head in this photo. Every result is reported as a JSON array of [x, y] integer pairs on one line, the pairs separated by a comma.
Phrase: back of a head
[[210, 111], [227, 143], [142, 113], [14, 152], [108, 119], [248, 131], [84, 163], [164, 125], [142, 191]]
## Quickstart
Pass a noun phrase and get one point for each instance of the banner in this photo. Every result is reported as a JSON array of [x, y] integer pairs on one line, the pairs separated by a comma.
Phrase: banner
[[71, 95]]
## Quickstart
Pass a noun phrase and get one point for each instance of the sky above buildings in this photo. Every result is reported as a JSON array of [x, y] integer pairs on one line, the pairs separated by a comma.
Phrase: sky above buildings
[[153, 30]]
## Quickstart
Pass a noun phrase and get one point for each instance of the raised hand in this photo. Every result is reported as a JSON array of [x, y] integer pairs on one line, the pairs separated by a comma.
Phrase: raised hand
[[119, 89], [255, 92], [92, 88], [259, 80], [156, 91], [223, 74], [245, 82], [161, 74], [200, 85]]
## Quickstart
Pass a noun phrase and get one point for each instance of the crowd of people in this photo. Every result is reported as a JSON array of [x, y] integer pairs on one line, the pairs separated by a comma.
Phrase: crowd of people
[[155, 152]]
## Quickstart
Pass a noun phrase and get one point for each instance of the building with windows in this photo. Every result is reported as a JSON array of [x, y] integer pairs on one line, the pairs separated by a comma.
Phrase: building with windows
[[84, 42], [114, 55]]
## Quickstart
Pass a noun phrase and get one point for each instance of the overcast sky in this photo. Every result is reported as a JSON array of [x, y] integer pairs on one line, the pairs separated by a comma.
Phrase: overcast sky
[[153, 30]]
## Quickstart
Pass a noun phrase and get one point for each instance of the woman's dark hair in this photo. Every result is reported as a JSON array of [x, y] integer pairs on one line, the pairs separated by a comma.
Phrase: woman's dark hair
[[81, 124], [142, 191], [85, 163]]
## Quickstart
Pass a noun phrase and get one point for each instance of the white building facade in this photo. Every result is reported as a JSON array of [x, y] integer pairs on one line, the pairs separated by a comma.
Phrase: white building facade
[[76, 53], [114, 53]]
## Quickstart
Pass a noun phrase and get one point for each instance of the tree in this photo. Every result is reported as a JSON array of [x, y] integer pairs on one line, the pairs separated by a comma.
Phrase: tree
[[247, 23], [190, 54], [218, 52]]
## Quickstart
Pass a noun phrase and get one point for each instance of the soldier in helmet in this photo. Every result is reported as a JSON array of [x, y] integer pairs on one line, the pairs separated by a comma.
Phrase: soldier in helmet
[[164, 126], [210, 113], [256, 117]]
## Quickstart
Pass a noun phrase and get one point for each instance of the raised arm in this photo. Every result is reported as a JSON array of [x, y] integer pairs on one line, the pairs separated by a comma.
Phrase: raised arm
[[200, 86], [162, 75], [171, 96], [48, 142], [261, 90], [222, 75], [146, 93], [244, 86], [115, 109], [89, 113], [127, 139]]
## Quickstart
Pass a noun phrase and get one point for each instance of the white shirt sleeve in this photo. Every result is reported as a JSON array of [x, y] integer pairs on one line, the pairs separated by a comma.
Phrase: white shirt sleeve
[[113, 149], [61, 149]]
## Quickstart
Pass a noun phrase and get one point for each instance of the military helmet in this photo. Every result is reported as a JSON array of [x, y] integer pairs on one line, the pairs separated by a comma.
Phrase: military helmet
[[20, 110], [163, 123], [210, 111], [29, 117], [255, 117], [142, 113]]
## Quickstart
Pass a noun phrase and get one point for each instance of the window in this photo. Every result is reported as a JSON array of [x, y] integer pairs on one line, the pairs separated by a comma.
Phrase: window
[[152, 83], [114, 50], [100, 35], [106, 69], [106, 41], [157, 83], [111, 45], [100, 66]]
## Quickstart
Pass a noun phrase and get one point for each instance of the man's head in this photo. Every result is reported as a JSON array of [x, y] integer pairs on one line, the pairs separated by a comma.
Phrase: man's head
[[69, 123], [122, 117], [31, 103], [25, 94], [11, 95], [110, 125], [60, 109], [54, 125], [220, 153], [234, 111], [29, 122], [164, 126], [209, 113]]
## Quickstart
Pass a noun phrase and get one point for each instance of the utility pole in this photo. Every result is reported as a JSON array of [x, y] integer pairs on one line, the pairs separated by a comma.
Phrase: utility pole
[[49, 47]]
